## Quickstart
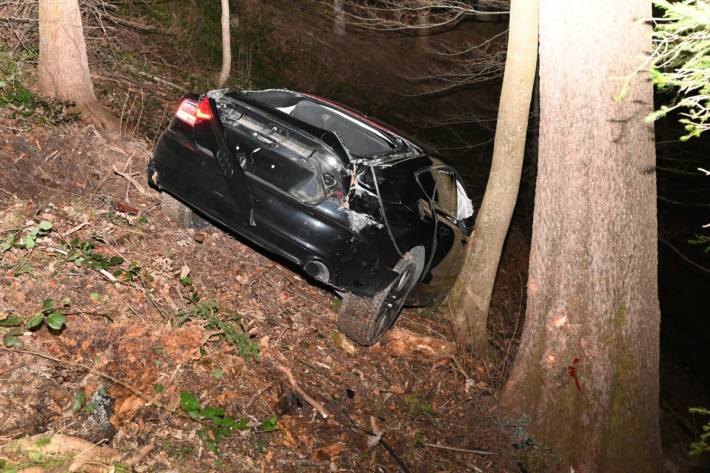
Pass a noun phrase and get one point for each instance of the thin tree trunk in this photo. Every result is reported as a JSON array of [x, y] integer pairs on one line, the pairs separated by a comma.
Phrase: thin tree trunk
[[470, 297], [586, 374], [339, 20], [226, 46], [63, 63], [423, 23]]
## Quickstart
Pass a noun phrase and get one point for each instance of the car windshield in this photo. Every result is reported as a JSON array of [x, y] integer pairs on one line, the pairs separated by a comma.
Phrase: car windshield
[[358, 137]]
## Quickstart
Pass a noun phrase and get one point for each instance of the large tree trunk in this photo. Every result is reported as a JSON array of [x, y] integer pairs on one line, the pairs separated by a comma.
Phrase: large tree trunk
[[63, 63], [586, 373], [226, 46], [470, 297]]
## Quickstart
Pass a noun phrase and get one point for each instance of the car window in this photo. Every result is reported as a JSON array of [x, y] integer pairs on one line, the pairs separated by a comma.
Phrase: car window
[[359, 138], [295, 176], [446, 195]]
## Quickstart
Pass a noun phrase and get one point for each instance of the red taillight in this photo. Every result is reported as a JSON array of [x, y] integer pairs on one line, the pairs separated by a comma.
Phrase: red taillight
[[191, 112], [204, 112]]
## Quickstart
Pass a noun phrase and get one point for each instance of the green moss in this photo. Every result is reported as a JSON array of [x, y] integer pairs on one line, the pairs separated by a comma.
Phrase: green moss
[[43, 441]]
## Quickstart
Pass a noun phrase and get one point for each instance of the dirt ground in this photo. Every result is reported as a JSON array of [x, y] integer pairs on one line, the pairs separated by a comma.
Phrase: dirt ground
[[152, 312], [132, 345]]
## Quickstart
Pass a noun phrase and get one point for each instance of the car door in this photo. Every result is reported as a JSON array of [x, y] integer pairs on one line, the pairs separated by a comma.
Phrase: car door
[[438, 185], [449, 231], [283, 179], [227, 191]]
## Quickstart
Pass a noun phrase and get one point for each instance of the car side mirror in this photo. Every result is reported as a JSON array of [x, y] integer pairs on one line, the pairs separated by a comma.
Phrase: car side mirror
[[467, 224]]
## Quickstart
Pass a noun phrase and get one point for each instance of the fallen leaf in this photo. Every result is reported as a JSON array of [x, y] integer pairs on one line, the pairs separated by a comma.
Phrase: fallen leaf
[[341, 341], [330, 451]]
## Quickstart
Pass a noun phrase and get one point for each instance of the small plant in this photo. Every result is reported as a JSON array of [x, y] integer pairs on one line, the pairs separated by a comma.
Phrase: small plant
[[19, 100], [83, 253], [29, 240], [269, 425], [79, 400], [193, 295], [335, 303], [419, 407], [12, 337], [219, 425], [50, 315], [228, 325], [702, 445]]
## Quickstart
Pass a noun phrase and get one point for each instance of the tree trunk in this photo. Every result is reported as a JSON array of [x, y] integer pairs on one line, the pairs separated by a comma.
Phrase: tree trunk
[[470, 297], [423, 26], [63, 64], [226, 46], [339, 17], [586, 374]]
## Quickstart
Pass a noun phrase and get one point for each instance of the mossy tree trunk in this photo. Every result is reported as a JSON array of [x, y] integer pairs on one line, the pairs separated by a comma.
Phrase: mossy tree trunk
[[586, 374], [63, 63], [470, 298]]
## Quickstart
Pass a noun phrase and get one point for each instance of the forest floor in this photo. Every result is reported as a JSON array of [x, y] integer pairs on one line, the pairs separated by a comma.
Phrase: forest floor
[[165, 340], [168, 339], [128, 341]]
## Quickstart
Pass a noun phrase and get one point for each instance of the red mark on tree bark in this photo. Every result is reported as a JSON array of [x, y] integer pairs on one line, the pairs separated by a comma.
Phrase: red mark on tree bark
[[572, 370]]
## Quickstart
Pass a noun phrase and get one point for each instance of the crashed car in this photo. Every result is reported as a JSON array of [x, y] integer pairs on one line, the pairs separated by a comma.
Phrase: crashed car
[[351, 202]]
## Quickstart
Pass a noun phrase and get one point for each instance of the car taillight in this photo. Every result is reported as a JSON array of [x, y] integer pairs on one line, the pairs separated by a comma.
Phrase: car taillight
[[191, 112]]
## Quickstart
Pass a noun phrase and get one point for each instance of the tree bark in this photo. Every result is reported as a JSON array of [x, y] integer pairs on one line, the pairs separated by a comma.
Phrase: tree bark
[[470, 297], [63, 63], [423, 26], [226, 46], [339, 17], [586, 374]]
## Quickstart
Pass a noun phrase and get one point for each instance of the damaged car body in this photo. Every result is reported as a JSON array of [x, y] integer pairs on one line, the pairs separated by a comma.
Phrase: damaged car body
[[353, 203]]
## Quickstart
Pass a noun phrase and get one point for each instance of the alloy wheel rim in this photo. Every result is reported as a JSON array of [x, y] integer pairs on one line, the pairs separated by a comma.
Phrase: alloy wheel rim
[[393, 301]]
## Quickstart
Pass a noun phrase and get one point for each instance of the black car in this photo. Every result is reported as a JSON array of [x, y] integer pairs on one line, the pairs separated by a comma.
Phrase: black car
[[353, 203]]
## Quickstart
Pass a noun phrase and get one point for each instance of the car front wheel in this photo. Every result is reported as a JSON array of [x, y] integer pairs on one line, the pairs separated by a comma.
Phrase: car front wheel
[[366, 320]]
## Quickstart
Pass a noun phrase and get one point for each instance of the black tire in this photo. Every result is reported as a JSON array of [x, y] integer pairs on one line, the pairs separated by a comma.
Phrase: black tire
[[180, 213], [366, 320]]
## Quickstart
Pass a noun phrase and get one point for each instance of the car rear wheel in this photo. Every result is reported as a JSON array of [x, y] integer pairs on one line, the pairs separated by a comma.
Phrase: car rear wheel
[[366, 320], [180, 213]]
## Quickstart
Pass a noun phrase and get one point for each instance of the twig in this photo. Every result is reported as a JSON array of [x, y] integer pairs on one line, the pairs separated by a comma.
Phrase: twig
[[75, 229], [156, 78], [382, 442], [455, 449], [4, 372], [292, 380], [127, 177], [108, 275], [685, 258], [8, 193], [253, 398], [142, 452]]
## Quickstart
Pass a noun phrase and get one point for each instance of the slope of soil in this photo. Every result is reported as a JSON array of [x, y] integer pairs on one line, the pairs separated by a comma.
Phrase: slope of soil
[[141, 333]]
